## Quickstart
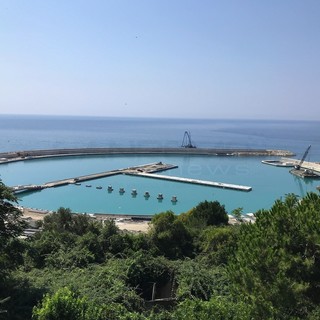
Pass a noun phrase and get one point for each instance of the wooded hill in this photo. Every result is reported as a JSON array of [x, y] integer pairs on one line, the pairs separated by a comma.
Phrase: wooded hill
[[191, 266]]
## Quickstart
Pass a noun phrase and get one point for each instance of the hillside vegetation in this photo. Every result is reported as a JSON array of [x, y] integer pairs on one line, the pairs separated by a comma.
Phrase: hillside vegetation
[[191, 266]]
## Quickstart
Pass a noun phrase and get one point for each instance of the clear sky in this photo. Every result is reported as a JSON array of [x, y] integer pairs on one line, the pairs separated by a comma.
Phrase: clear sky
[[161, 58]]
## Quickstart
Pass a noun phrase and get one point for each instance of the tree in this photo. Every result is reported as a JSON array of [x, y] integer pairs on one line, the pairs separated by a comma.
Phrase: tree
[[67, 305], [170, 235], [276, 266], [218, 308], [11, 226], [218, 242], [206, 213], [146, 270], [196, 280]]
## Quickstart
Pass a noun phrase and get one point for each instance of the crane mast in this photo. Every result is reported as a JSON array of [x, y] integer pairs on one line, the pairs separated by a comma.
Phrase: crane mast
[[303, 158], [186, 142]]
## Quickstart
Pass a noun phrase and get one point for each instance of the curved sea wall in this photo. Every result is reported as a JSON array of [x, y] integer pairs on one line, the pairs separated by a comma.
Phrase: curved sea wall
[[35, 154]]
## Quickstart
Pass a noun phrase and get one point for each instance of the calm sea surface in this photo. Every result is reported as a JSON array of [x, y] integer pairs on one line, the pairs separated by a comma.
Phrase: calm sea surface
[[268, 183]]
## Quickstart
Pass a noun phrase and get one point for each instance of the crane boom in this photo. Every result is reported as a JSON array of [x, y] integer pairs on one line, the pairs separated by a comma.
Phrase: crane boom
[[303, 158], [186, 142]]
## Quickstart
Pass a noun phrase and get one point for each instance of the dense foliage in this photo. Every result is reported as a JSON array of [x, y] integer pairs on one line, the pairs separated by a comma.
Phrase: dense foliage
[[192, 266]]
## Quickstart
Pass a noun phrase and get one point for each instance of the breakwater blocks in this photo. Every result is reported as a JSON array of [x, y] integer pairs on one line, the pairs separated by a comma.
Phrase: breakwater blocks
[[146, 170], [6, 157]]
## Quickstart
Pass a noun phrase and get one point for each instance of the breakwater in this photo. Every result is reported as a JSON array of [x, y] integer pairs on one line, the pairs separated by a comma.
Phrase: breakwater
[[6, 157]]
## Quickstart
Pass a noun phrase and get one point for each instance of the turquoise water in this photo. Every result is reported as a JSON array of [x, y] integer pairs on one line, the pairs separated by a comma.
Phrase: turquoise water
[[268, 183], [48, 132]]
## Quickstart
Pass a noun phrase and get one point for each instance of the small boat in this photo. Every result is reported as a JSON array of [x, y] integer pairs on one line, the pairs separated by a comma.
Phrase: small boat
[[134, 192], [147, 194], [278, 163], [88, 185], [110, 188], [121, 190], [174, 199], [160, 196], [99, 187], [78, 184]]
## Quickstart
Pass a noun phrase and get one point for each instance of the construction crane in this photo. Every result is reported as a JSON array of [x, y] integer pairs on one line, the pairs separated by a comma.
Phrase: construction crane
[[298, 167], [186, 142]]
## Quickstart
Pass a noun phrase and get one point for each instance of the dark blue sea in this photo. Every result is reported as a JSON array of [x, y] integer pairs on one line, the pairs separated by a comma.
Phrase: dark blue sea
[[19, 133], [48, 132]]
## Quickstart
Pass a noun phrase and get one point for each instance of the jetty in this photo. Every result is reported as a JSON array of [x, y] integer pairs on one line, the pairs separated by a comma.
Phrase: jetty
[[194, 181], [146, 170], [308, 165]]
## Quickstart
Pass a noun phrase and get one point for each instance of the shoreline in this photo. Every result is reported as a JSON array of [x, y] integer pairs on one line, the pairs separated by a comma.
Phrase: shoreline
[[132, 223], [123, 222]]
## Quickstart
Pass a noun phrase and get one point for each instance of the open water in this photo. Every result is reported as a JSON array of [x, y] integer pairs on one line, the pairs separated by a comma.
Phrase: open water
[[44, 132]]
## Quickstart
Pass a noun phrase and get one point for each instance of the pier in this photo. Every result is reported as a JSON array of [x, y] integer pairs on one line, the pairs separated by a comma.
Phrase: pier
[[146, 170], [194, 181], [308, 165]]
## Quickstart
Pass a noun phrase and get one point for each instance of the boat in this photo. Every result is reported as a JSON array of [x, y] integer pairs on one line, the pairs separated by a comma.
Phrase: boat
[[78, 184], [121, 190], [174, 199], [99, 187], [134, 192], [88, 185], [110, 188], [278, 163]]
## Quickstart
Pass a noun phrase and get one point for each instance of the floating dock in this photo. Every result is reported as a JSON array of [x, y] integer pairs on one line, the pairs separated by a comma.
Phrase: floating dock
[[194, 181], [305, 173], [146, 170], [307, 169], [307, 165]]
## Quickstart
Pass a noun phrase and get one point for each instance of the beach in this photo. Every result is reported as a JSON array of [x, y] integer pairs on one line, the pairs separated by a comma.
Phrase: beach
[[122, 222]]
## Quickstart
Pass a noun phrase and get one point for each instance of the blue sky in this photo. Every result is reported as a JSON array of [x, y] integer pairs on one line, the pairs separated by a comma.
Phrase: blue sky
[[253, 59]]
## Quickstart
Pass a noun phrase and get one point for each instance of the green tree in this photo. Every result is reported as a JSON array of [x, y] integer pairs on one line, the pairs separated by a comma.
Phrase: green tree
[[276, 266], [65, 221], [196, 280], [217, 243], [67, 305], [206, 213], [217, 308], [146, 270], [11, 226], [170, 235]]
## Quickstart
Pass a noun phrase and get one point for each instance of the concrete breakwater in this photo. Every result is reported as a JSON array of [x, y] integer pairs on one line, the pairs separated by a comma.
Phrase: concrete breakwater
[[6, 157]]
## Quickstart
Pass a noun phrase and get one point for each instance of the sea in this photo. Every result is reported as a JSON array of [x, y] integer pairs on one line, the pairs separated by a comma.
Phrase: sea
[[23, 133]]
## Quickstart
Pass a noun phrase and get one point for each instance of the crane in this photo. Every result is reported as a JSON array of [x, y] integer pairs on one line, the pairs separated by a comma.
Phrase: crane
[[298, 167], [186, 142]]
